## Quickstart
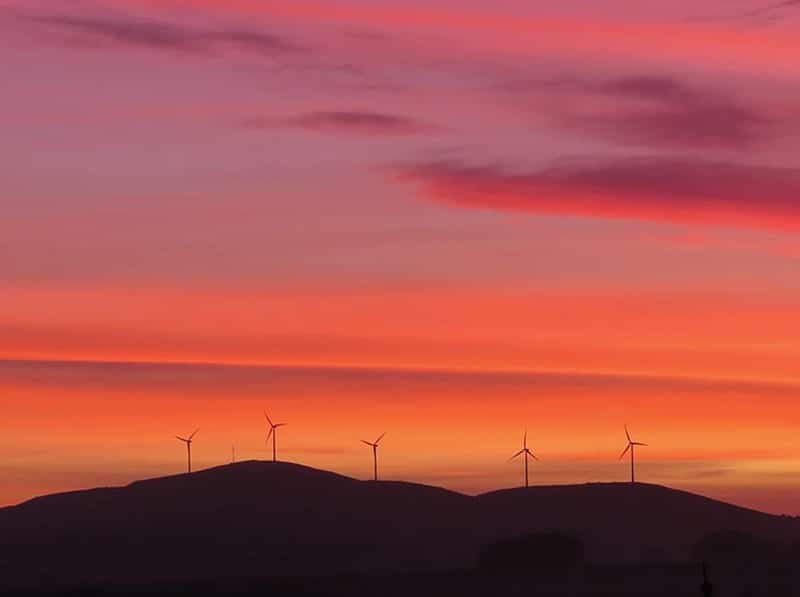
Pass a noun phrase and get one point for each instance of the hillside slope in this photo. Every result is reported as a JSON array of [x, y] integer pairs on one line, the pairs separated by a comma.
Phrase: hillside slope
[[259, 519], [627, 522]]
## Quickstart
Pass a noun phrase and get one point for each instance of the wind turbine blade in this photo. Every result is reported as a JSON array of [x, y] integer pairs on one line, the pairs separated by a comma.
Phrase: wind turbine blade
[[377, 441], [628, 435], [532, 455], [183, 439], [194, 433], [276, 425], [268, 419], [525, 439], [638, 444], [363, 441], [269, 435], [517, 454], [625, 451]]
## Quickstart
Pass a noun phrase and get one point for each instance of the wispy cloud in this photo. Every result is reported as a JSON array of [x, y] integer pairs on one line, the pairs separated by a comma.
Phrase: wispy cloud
[[772, 10], [259, 380], [786, 247], [762, 13], [650, 188], [162, 35], [357, 122], [651, 110]]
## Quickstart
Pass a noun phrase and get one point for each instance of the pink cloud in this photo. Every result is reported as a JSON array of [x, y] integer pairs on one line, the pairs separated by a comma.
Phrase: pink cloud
[[660, 189], [160, 34], [354, 121], [652, 110]]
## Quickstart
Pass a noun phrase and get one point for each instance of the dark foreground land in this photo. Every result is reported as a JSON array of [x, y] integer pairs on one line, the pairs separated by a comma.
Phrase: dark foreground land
[[293, 530], [588, 581]]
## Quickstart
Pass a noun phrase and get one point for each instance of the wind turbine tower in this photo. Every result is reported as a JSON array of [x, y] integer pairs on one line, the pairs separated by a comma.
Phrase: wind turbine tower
[[374, 446], [273, 433], [527, 454], [188, 442], [632, 448]]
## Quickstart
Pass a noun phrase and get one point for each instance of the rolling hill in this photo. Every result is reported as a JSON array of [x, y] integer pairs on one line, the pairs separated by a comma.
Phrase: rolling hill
[[262, 519]]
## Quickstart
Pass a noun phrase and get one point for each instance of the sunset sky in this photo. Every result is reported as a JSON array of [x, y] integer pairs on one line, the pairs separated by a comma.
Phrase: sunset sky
[[449, 220]]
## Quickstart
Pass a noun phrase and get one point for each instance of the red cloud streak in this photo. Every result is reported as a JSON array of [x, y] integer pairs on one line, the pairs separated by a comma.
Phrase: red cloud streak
[[659, 189]]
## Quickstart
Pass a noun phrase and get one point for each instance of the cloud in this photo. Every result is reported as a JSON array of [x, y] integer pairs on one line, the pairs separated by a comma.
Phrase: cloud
[[653, 111], [762, 14], [358, 122], [651, 188], [772, 245], [770, 9], [300, 382], [162, 35]]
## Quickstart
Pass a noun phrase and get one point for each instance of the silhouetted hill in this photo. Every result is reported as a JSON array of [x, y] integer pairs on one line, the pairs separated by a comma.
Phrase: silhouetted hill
[[246, 519], [262, 519], [627, 522]]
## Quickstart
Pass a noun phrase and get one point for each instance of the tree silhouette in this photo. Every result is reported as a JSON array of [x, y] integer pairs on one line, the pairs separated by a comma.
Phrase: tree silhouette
[[707, 589]]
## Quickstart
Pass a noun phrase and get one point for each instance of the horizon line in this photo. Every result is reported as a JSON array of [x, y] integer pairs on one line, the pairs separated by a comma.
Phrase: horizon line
[[390, 481]]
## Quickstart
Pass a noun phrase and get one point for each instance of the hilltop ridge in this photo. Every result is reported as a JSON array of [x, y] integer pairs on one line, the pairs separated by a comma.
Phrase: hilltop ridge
[[257, 519]]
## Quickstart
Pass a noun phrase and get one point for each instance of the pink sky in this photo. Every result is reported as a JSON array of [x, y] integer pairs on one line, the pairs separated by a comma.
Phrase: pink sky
[[605, 188]]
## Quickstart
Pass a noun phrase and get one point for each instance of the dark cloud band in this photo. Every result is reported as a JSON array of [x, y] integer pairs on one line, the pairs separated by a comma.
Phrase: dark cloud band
[[664, 189], [358, 122], [166, 36]]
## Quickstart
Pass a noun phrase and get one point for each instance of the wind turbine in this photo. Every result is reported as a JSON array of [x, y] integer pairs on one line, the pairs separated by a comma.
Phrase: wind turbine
[[273, 432], [375, 452], [527, 453], [188, 442], [631, 446]]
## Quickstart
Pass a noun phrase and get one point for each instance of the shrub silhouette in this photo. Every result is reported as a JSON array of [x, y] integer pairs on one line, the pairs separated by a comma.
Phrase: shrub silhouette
[[539, 551]]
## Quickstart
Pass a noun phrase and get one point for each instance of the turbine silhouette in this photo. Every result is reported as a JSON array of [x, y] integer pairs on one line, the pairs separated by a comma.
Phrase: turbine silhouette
[[631, 446], [273, 432], [374, 453], [188, 442], [527, 454]]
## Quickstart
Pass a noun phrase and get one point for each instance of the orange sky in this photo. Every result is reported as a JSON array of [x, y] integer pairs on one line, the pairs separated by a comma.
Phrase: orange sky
[[708, 385], [683, 334]]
